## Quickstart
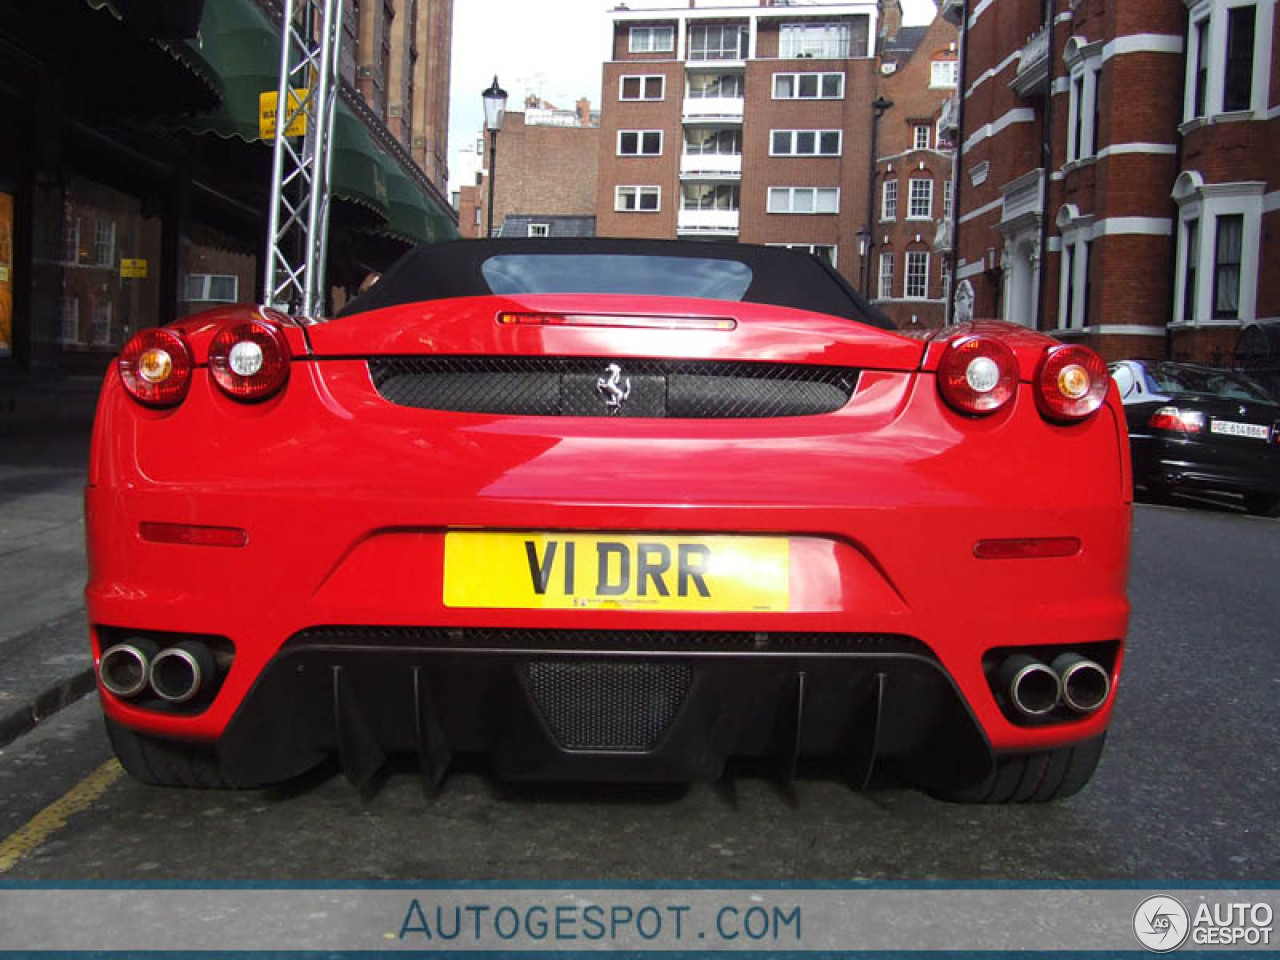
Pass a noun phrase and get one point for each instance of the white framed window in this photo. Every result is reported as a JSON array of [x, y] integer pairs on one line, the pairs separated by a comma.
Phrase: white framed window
[[632, 87], [886, 275], [652, 40], [804, 143], [944, 73], [920, 136], [1219, 250], [808, 86], [920, 199], [700, 141], [639, 143], [637, 199], [539, 230], [804, 200], [917, 282], [104, 243], [1228, 58], [704, 86], [71, 240], [1084, 65], [946, 199], [69, 328], [211, 288], [1076, 276], [715, 41], [710, 196], [889, 200], [831, 41], [827, 251], [100, 321]]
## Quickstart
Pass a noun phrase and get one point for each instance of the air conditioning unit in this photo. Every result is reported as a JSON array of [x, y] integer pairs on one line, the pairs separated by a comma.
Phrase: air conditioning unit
[[211, 288]]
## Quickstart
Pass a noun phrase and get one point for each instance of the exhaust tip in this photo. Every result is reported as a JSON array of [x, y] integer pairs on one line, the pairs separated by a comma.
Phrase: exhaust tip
[[1085, 683], [1033, 688], [178, 674], [124, 668]]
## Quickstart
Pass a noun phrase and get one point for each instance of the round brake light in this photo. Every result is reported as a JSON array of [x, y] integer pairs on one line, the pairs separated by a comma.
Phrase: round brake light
[[155, 367], [1071, 382], [977, 375], [249, 360]]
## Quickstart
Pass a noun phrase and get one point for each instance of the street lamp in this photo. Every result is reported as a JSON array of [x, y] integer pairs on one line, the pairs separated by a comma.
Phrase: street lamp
[[495, 108], [879, 106]]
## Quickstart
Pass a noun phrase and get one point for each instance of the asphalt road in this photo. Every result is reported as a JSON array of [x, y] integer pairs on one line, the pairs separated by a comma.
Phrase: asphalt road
[[1188, 788]]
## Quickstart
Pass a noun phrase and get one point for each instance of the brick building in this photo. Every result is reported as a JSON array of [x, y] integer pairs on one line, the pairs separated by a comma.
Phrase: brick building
[[749, 123], [1118, 175], [909, 266], [546, 172]]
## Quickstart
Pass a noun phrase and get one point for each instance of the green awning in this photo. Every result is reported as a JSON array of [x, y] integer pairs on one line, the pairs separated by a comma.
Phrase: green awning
[[356, 172], [408, 218], [243, 47]]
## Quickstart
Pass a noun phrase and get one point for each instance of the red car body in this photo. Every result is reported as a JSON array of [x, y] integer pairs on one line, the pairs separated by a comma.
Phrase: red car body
[[331, 628]]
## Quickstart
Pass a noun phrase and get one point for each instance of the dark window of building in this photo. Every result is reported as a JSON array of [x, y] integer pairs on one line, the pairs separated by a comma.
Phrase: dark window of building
[[1202, 66], [1088, 283], [1077, 86], [1226, 266], [1237, 91], [1192, 238], [1069, 280], [1096, 137]]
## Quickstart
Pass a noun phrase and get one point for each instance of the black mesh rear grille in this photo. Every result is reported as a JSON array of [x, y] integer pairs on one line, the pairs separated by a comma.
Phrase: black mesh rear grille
[[573, 387], [594, 705], [630, 641]]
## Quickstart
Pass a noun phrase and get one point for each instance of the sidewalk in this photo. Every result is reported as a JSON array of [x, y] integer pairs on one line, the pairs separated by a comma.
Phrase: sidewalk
[[45, 662]]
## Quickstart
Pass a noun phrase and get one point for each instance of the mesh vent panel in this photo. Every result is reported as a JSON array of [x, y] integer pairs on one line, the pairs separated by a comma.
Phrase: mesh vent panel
[[572, 387]]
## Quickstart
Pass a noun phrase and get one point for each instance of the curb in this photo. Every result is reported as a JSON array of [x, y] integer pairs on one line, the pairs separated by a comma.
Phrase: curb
[[42, 706]]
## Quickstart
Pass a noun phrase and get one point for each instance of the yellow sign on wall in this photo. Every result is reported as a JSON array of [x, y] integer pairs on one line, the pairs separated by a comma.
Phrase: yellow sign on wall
[[133, 269], [267, 102]]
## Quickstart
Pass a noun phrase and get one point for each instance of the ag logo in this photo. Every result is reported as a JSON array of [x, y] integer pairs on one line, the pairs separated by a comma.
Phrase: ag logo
[[1161, 924]]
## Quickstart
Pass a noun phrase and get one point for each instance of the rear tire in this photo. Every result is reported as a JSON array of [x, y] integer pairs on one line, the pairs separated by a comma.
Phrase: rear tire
[[1262, 504], [1036, 777], [167, 763]]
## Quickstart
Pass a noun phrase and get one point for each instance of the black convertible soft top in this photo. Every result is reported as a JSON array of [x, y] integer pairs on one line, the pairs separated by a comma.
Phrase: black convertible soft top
[[778, 276]]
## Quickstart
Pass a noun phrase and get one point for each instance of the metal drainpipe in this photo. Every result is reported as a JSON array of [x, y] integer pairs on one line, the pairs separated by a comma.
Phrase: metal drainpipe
[[957, 165], [1046, 158]]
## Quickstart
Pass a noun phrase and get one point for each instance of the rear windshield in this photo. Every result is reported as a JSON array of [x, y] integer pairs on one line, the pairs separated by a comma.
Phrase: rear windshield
[[1164, 378], [617, 273]]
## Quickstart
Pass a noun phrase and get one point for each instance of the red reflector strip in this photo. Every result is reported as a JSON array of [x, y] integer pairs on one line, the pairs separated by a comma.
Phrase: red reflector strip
[[192, 535], [1026, 549], [616, 320]]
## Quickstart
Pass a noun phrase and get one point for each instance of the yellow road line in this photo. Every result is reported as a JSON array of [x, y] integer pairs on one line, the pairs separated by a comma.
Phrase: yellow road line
[[29, 837]]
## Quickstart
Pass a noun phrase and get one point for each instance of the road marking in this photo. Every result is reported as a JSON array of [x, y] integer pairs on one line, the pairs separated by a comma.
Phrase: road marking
[[36, 831]]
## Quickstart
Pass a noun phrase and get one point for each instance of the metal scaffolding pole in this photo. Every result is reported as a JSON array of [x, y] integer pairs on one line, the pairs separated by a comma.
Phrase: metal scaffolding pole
[[298, 223]]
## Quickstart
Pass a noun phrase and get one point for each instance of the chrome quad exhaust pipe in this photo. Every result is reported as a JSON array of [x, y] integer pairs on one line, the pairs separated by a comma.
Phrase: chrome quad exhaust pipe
[[124, 667], [1033, 688], [182, 672], [1085, 683]]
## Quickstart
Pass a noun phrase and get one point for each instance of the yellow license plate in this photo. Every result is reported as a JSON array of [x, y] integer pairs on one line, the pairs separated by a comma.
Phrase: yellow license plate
[[565, 571]]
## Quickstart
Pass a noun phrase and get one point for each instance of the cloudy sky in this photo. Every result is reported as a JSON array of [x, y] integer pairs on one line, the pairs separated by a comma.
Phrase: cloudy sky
[[553, 49]]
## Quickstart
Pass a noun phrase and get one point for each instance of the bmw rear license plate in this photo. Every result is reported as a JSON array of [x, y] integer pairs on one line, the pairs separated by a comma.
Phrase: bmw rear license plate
[[1254, 431], [565, 571]]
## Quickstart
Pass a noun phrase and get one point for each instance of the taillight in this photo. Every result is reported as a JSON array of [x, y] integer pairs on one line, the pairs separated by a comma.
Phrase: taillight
[[977, 375], [1173, 420], [1071, 382], [250, 360], [155, 367]]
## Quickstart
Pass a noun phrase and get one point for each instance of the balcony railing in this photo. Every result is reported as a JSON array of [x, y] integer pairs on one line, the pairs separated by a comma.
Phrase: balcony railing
[[1033, 65], [723, 165], [713, 108], [707, 221]]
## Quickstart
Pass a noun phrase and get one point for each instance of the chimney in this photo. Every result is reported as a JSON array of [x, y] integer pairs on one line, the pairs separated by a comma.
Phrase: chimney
[[584, 112], [890, 18]]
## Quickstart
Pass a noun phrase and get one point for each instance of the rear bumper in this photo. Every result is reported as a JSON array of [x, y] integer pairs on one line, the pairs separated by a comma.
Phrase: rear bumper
[[1157, 462], [594, 710]]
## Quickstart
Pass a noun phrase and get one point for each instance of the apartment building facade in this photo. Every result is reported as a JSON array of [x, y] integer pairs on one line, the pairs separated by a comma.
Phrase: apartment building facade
[[910, 239], [1118, 182], [546, 173], [749, 124]]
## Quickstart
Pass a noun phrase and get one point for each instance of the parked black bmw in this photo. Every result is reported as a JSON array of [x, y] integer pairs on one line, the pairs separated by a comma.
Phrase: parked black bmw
[[1196, 428]]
